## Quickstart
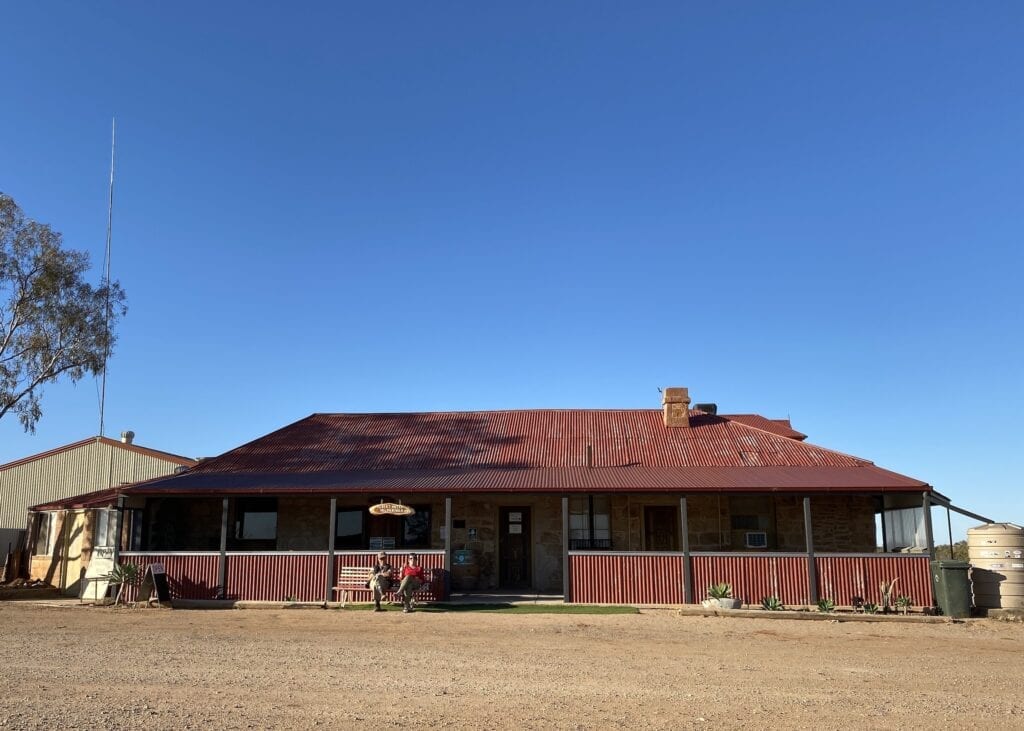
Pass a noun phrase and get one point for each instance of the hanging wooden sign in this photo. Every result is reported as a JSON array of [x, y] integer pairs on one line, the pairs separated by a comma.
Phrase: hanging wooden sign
[[391, 509]]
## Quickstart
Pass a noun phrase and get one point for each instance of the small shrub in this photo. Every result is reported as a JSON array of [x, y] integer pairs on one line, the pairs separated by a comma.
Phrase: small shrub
[[721, 590], [885, 588], [772, 604], [904, 603], [870, 608], [121, 575], [826, 605]]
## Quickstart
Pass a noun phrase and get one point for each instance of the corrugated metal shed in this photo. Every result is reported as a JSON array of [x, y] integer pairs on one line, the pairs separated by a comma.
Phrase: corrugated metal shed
[[92, 464]]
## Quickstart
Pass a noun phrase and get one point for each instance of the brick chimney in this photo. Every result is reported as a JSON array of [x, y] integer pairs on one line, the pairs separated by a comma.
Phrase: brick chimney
[[675, 404]]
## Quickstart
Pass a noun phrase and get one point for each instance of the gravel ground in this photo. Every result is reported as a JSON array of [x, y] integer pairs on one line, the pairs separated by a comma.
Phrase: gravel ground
[[86, 667]]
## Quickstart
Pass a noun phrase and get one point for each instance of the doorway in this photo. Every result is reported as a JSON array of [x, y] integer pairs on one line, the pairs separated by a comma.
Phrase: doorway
[[514, 548], [661, 528]]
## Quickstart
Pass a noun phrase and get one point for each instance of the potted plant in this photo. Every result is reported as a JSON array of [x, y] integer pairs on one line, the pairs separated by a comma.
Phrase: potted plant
[[720, 597]]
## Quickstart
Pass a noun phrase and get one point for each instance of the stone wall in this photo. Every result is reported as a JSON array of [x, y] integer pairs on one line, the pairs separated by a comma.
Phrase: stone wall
[[840, 523], [480, 513], [303, 523], [843, 523]]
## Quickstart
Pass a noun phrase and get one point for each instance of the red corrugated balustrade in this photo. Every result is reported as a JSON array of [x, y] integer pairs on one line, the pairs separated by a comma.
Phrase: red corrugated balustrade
[[191, 575], [631, 578]]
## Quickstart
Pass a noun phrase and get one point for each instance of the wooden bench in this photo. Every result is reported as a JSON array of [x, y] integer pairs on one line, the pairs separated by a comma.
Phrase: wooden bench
[[352, 582]]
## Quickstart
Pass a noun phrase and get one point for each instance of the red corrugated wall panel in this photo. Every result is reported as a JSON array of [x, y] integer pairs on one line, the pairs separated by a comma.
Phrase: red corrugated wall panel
[[276, 577], [753, 577], [630, 579], [841, 578], [190, 576]]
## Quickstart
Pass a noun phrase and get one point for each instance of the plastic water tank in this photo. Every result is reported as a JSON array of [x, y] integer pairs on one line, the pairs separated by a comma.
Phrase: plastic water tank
[[996, 553]]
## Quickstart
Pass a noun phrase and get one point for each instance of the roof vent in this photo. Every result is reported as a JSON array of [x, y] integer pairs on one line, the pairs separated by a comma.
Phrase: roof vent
[[127, 437], [709, 409]]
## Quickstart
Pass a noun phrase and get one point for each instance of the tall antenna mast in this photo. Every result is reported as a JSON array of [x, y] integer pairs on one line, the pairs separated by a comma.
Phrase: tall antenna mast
[[106, 273]]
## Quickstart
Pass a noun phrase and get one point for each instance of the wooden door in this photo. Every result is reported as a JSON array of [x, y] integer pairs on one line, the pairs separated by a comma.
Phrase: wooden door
[[514, 548], [661, 528]]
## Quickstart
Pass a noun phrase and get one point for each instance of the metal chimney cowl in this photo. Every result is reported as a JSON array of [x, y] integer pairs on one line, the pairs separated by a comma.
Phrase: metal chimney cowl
[[127, 437]]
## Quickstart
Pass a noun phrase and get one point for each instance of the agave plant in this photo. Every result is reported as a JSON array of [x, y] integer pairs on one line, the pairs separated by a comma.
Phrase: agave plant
[[121, 576], [826, 605], [721, 590], [885, 588], [904, 603], [772, 604], [870, 608]]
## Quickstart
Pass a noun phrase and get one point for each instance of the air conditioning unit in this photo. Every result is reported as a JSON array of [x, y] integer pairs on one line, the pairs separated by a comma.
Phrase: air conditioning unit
[[757, 539]]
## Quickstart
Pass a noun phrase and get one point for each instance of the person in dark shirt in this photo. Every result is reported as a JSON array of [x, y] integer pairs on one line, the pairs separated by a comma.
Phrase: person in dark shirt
[[380, 579]]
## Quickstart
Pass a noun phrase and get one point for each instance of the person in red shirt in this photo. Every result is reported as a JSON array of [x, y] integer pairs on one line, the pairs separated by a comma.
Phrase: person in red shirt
[[412, 579]]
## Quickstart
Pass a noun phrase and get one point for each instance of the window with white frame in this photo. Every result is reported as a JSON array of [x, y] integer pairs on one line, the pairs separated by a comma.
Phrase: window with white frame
[[46, 534], [590, 526], [103, 535]]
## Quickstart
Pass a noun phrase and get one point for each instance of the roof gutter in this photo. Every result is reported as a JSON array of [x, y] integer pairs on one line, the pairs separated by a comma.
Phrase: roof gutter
[[945, 503]]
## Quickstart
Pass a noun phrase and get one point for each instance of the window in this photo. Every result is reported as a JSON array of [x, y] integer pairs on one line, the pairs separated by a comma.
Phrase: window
[[590, 526], [103, 534], [416, 528], [131, 534], [258, 519], [46, 534], [349, 531]]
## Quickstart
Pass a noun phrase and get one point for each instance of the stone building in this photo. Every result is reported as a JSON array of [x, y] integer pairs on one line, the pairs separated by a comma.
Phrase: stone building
[[595, 505]]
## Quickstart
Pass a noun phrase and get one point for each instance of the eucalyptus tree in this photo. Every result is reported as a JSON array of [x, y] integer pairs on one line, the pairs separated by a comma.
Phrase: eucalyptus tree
[[53, 323]]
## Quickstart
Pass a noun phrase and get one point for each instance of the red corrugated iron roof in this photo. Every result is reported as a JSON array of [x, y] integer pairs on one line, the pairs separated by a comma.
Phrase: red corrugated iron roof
[[555, 479], [536, 450], [775, 426], [97, 499]]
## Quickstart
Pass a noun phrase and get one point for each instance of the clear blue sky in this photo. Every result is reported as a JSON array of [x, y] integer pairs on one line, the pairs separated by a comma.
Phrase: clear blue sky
[[792, 209]]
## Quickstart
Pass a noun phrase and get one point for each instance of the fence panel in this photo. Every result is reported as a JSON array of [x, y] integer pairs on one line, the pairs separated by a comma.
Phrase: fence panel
[[189, 575], [276, 576], [753, 577], [841, 578], [626, 578]]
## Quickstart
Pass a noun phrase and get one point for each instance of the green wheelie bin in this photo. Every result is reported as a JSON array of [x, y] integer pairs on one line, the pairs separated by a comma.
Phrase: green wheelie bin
[[952, 587]]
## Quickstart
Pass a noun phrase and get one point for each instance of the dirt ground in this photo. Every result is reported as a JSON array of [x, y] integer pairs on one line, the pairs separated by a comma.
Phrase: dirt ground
[[84, 667]]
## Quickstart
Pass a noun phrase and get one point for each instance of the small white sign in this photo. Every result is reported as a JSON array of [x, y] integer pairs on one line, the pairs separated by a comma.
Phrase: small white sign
[[515, 528], [515, 517]]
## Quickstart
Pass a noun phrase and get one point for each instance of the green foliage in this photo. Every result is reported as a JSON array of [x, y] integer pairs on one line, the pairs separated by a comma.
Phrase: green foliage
[[958, 552], [870, 608], [122, 575], [885, 588], [53, 323], [904, 603], [826, 605], [721, 590], [772, 604]]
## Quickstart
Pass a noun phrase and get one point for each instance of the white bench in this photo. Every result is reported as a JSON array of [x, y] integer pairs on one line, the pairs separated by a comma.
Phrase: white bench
[[352, 582]]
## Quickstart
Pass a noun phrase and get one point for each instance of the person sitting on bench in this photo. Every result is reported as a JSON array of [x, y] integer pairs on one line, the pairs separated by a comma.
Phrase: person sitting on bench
[[412, 579], [380, 579]]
